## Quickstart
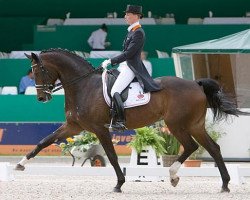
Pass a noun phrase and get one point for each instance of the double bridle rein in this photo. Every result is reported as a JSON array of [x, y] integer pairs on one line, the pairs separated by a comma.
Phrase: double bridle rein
[[51, 88]]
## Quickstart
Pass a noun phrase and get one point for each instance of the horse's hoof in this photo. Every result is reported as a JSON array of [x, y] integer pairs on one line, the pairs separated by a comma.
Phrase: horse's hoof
[[118, 190], [225, 190], [175, 181], [19, 167]]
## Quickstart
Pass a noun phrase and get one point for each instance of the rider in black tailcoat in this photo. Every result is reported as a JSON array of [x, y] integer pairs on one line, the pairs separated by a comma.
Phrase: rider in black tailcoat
[[132, 48]]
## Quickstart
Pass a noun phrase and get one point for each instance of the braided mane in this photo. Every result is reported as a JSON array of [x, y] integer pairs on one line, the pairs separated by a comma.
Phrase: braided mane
[[66, 51]]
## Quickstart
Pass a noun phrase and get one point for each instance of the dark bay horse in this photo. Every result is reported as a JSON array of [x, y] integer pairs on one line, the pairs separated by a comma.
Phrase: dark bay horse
[[181, 103]]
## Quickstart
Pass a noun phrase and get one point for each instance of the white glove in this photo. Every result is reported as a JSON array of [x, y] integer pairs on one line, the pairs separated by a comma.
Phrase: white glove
[[106, 63]]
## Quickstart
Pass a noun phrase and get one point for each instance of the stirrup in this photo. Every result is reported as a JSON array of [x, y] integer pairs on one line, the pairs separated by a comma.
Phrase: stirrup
[[109, 126], [118, 126], [115, 127]]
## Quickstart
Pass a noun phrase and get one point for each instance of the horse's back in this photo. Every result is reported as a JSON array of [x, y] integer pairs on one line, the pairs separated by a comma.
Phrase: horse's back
[[182, 95], [171, 83]]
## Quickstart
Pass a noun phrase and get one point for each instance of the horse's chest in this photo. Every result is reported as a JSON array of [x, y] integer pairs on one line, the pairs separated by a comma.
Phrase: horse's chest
[[73, 115]]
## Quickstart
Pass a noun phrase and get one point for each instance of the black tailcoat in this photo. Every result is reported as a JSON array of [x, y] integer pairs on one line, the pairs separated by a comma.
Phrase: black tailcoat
[[132, 48]]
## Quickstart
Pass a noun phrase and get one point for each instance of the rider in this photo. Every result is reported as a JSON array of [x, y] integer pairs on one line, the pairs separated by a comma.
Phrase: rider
[[132, 48]]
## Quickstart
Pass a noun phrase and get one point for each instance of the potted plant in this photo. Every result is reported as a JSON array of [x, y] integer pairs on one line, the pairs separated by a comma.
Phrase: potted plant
[[171, 144], [79, 144], [85, 145], [194, 159], [147, 136], [147, 146]]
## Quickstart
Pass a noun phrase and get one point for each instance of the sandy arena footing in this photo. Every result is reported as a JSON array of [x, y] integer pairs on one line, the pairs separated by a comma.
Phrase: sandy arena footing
[[26, 187]]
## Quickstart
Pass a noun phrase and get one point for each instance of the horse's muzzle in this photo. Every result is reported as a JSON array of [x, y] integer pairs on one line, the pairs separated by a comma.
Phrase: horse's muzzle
[[44, 99]]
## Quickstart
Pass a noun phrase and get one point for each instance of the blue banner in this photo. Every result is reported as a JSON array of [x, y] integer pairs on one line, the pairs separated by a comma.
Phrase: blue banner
[[32, 133]]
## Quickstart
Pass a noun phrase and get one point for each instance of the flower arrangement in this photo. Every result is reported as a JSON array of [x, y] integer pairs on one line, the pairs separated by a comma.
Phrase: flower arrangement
[[84, 141]]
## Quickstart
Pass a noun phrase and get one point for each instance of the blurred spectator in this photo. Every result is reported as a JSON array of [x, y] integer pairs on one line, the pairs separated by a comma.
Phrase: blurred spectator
[[147, 63], [26, 81], [97, 39]]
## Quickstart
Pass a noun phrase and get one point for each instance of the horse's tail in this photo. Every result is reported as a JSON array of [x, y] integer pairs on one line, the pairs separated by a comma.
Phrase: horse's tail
[[221, 103]]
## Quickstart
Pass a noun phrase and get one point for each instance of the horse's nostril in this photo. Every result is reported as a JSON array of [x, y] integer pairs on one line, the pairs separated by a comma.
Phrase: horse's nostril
[[40, 98]]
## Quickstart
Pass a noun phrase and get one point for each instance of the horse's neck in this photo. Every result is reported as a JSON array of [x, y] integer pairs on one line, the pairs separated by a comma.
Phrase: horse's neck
[[75, 74], [72, 71], [79, 92], [66, 66]]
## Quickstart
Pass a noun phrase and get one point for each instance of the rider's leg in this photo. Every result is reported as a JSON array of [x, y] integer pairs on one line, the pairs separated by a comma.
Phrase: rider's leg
[[123, 80], [118, 105]]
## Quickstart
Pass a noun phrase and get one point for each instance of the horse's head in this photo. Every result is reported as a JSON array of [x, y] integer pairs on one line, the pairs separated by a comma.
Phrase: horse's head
[[43, 78]]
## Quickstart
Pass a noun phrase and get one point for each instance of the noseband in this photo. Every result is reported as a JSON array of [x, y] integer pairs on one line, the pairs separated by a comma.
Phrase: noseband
[[50, 88], [47, 88]]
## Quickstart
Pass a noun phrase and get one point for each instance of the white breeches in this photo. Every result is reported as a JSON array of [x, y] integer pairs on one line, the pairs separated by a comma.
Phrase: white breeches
[[123, 80]]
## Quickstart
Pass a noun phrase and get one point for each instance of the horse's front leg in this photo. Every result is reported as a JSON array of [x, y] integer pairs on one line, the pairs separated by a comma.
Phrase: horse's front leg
[[60, 134], [106, 141]]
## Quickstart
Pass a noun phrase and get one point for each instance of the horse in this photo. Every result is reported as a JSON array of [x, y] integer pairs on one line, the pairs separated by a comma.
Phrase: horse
[[182, 104]]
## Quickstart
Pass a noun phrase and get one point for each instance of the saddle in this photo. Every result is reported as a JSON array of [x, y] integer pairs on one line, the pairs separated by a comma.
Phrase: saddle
[[112, 76], [131, 96]]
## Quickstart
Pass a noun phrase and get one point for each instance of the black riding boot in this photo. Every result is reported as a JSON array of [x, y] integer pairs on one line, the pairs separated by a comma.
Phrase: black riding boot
[[117, 112]]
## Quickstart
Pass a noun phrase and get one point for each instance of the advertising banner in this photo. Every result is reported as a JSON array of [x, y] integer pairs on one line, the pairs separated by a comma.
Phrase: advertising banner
[[21, 138]]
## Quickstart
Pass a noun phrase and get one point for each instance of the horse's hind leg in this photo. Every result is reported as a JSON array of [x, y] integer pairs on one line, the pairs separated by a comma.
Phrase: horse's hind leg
[[189, 147], [60, 134], [105, 139], [214, 150]]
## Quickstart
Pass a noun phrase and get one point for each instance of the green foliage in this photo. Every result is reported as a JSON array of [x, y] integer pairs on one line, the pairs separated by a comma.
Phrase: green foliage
[[147, 136], [171, 144]]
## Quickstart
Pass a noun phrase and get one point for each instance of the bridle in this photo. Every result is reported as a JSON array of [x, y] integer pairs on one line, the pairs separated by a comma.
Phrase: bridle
[[47, 88], [51, 88]]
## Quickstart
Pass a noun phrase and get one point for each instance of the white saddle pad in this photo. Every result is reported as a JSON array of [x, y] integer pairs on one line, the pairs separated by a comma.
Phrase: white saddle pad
[[136, 97]]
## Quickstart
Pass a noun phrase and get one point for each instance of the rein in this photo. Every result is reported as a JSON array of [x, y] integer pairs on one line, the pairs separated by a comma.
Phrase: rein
[[51, 88], [59, 86]]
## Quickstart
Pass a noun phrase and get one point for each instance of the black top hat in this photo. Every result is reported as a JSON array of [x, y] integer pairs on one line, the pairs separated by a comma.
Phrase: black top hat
[[134, 9]]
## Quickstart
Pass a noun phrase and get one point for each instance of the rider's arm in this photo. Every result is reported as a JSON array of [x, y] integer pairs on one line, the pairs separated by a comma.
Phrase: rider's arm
[[135, 45]]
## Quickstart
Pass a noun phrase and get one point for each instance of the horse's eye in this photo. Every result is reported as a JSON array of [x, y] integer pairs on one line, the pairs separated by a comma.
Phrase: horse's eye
[[51, 87]]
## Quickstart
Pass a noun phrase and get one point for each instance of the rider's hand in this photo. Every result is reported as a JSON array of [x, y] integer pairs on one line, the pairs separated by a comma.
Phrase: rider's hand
[[106, 63]]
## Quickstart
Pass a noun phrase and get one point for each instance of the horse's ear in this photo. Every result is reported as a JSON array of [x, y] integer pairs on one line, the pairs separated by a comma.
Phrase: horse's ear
[[28, 56], [34, 56]]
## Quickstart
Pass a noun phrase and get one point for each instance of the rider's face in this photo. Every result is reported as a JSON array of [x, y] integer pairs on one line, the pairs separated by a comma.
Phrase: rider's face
[[131, 18]]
